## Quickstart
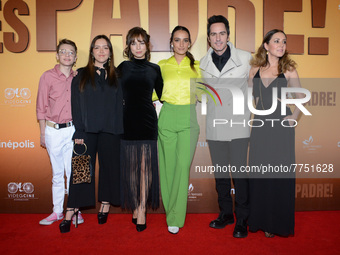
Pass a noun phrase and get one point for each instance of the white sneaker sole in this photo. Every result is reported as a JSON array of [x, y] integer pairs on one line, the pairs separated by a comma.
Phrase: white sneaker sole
[[47, 223], [173, 230]]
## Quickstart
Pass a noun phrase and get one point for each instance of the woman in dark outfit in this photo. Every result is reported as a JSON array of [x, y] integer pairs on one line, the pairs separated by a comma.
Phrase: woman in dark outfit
[[138, 78], [272, 194], [97, 106]]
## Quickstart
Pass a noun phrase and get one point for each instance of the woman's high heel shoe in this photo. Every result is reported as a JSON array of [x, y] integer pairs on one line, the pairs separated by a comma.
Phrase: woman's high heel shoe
[[134, 214], [140, 227], [65, 225], [102, 216]]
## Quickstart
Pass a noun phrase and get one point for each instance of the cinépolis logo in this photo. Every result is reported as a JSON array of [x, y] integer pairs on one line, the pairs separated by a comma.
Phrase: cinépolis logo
[[27, 144]]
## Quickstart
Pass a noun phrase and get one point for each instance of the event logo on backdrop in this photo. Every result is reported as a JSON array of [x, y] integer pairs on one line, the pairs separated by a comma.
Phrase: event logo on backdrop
[[322, 98], [310, 146], [17, 96], [314, 190], [16, 145], [193, 196], [20, 191]]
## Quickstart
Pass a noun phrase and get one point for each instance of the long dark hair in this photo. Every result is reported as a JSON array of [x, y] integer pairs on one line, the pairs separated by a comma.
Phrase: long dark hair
[[261, 59], [188, 54], [89, 70], [135, 33]]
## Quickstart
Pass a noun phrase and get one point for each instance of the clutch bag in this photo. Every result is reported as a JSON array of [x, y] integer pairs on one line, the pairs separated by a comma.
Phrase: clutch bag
[[81, 167]]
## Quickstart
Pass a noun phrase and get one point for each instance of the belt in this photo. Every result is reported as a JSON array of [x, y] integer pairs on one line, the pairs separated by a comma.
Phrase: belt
[[58, 126]]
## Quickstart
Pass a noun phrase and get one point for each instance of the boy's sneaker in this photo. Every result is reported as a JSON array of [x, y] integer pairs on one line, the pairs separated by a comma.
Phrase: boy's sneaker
[[52, 218], [80, 219]]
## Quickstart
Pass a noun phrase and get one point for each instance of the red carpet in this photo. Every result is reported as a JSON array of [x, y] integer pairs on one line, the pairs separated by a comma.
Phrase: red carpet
[[315, 233]]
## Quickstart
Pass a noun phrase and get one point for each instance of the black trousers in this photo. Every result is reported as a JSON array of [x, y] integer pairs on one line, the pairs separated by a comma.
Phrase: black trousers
[[108, 148], [233, 153]]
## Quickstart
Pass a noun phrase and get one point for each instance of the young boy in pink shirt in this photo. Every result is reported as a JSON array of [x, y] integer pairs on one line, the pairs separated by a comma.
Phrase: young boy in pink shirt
[[56, 127]]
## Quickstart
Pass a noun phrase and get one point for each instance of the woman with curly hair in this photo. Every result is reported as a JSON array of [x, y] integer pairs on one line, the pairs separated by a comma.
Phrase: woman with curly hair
[[272, 143]]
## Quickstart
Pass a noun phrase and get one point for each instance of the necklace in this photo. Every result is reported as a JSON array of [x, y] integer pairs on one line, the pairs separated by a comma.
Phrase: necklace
[[261, 89], [261, 94]]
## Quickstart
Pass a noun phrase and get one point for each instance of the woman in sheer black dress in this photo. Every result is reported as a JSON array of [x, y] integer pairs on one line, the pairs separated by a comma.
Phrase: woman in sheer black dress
[[139, 78]]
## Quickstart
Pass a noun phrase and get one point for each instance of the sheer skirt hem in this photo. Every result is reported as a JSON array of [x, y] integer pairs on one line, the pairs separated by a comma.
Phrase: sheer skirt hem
[[139, 174]]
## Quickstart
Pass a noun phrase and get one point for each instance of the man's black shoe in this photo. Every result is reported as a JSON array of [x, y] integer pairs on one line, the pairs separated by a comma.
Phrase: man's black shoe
[[240, 230], [222, 221]]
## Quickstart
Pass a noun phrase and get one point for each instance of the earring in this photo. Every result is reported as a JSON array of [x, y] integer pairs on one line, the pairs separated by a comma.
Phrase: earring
[[108, 61], [267, 52]]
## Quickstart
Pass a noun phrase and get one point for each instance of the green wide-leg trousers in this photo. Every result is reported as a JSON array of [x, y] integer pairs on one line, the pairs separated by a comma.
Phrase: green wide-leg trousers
[[178, 132]]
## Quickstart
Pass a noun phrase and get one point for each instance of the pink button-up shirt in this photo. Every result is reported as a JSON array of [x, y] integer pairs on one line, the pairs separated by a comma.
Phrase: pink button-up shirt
[[54, 96]]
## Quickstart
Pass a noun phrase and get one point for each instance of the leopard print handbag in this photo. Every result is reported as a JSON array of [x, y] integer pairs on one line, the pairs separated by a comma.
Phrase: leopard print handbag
[[81, 167]]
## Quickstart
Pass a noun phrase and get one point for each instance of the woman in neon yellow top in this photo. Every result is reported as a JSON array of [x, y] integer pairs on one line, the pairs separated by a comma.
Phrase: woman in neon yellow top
[[178, 129]]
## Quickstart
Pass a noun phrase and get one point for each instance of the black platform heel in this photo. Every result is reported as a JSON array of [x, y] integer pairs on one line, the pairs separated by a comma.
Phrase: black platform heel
[[65, 225], [134, 221], [102, 216]]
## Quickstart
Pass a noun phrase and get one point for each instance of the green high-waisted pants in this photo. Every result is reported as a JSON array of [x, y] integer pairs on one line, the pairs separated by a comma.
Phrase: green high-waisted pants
[[178, 132]]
